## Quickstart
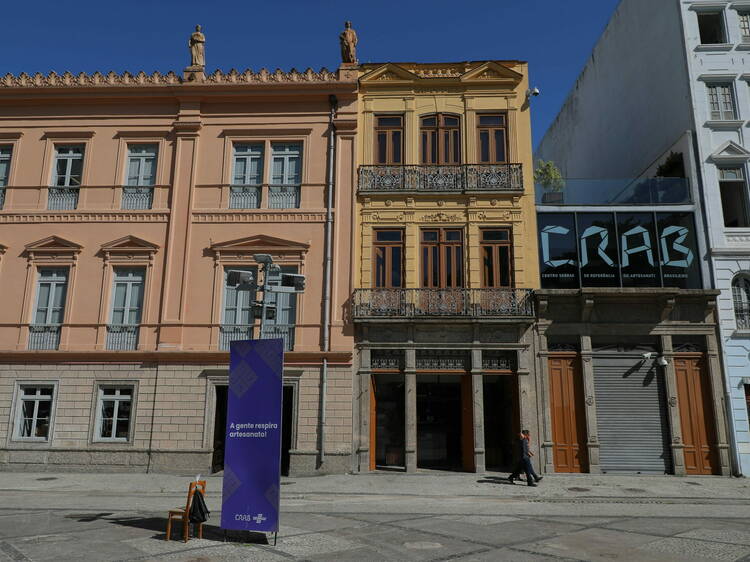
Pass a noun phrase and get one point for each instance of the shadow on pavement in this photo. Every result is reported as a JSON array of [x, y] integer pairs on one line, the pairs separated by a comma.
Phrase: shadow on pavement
[[158, 525], [503, 480]]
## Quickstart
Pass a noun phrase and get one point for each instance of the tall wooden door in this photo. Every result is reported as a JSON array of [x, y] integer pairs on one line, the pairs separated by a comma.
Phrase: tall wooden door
[[568, 417], [696, 415]]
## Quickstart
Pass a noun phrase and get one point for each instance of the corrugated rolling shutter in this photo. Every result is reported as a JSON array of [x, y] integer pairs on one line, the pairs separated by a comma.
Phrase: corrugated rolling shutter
[[631, 414]]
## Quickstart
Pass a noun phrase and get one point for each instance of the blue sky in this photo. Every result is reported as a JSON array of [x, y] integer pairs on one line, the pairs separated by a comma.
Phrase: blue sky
[[554, 36]]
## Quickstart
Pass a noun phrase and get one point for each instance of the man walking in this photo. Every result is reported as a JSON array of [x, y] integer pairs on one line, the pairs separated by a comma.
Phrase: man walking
[[524, 465]]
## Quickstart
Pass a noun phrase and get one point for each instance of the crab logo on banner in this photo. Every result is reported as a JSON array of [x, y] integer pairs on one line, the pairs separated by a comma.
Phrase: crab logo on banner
[[252, 455]]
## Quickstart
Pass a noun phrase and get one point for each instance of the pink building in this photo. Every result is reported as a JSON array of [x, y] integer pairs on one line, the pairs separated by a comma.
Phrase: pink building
[[126, 199]]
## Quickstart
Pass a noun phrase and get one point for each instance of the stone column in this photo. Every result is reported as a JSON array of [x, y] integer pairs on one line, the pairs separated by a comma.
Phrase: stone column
[[592, 433], [365, 388], [675, 423], [720, 406], [477, 391], [410, 403], [545, 437]]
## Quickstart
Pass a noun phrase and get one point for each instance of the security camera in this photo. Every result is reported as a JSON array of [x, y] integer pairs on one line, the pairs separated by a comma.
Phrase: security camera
[[662, 361], [648, 355], [263, 258], [533, 92]]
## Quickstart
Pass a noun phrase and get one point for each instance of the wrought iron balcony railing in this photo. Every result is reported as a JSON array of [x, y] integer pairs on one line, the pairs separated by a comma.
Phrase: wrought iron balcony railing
[[122, 337], [283, 331], [232, 332], [283, 196], [137, 197], [244, 197], [44, 336], [62, 198], [463, 177], [425, 303]]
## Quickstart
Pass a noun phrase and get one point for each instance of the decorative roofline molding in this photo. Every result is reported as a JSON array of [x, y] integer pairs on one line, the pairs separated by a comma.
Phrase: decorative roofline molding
[[97, 79]]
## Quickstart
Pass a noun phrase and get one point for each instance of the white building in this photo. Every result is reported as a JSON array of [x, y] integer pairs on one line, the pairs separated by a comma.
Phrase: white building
[[673, 76]]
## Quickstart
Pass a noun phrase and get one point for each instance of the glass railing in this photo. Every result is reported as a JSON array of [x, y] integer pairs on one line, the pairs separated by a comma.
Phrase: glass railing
[[647, 191]]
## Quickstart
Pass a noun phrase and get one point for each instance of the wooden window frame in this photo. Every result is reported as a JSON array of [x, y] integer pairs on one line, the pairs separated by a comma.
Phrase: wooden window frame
[[388, 130], [490, 129], [440, 129], [496, 266], [427, 256], [387, 246]]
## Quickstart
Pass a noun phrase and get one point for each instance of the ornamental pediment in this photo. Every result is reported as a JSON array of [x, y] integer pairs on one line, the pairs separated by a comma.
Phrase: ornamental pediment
[[261, 244], [731, 152], [130, 244], [492, 72], [53, 244], [389, 73]]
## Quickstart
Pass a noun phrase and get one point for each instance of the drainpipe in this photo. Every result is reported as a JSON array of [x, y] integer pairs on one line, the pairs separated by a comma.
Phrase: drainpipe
[[328, 260]]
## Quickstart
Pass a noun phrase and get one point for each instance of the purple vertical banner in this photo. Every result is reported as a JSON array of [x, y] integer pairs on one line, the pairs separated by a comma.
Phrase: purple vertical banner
[[252, 455]]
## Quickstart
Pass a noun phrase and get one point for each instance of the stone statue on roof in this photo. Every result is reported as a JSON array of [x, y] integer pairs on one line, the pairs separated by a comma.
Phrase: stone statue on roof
[[197, 46], [348, 39]]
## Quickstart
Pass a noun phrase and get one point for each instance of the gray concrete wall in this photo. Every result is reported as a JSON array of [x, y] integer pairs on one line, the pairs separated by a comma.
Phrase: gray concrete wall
[[632, 100]]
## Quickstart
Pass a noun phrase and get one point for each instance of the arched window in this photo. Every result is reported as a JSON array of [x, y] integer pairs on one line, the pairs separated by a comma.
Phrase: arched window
[[741, 295], [441, 138]]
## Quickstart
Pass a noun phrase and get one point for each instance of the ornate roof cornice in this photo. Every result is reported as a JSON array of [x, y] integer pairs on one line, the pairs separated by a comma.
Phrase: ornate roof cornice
[[126, 79]]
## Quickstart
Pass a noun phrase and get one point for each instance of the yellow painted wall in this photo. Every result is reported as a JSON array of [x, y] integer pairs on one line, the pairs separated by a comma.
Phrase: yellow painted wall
[[465, 89]]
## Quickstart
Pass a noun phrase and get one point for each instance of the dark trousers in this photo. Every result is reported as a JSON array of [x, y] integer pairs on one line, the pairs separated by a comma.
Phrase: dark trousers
[[524, 465]]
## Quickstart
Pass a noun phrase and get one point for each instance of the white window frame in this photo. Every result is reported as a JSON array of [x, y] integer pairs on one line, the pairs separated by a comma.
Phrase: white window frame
[[238, 307], [19, 417], [69, 156], [281, 151], [6, 155], [56, 284], [717, 96], [741, 300], [247, 152], [744, 18], [287, 184], [122, 276], [117, 398], [141, 158]]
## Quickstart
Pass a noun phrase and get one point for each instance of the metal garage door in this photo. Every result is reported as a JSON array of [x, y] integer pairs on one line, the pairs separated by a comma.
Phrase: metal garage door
[[631, 414]]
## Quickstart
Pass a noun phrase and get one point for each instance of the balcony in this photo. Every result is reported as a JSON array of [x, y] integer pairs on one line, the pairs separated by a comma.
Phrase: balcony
[[62, 198], [458, 178], [122, 337], [44, 337], [427, 303], [283, 331], [283, 196], [233, 332], [244, 197], [137, 198]]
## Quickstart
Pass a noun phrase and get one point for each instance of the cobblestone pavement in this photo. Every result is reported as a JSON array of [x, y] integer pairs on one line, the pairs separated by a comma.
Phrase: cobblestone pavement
[[386, 517]]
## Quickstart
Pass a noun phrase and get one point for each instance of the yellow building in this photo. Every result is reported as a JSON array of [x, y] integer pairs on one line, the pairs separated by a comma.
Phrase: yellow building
[[445, 258]]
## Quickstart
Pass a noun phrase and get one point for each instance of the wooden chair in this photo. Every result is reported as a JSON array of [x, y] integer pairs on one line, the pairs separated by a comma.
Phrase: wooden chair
[[184, 513]]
